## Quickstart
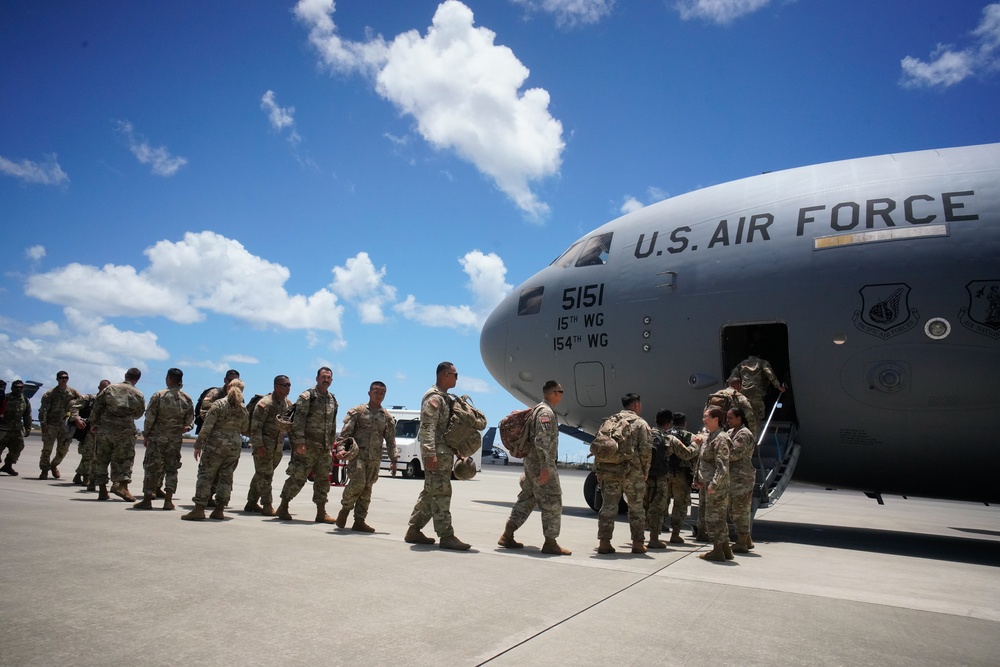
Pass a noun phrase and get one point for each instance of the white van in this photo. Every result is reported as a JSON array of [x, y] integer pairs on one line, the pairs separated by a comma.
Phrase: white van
[[407, 426]]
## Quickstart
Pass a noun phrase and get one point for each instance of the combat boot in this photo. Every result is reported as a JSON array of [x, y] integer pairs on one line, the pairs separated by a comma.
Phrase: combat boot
[[44, 474], [715, 555], [453, 543], [507, 539], [701, 535], [741, 544], [7, 468], [655, 542], [750, 544], [552, 547], [219, 513], [168, 500], [252, 507], [120, 489], [55, 472], [282, 512], [342, 517], [103, 493], [77, 479], [160, 494], [91, 486], [638, 547], [414, 536], [361, 527], [322, 516], [197, 514], [727, 550], [267, 510], [146, 503], [675, 536], [604, 547]]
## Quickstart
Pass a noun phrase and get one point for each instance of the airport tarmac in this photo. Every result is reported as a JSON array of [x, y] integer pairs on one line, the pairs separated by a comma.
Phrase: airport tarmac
[[836, 579]]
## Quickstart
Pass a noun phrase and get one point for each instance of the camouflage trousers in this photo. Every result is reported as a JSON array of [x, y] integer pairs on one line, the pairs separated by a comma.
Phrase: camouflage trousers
[[13, 442], [54, 435], [358, 493], [633, 486], [316, 459], [679, 492], [547, 497], [263, 473], [215, 470], [434, 502], [88, 454], [656, 502], [741, 481], [115, 447], [716, 511], [160, 465]]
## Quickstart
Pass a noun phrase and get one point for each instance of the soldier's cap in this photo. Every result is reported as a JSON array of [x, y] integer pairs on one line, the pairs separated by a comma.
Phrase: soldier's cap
[[62, 375], [465, 469], [17, 383], [232, 374]]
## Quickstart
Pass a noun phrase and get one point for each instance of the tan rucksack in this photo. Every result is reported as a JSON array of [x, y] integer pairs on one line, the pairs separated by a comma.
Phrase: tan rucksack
[[611, 444], [465, 423]]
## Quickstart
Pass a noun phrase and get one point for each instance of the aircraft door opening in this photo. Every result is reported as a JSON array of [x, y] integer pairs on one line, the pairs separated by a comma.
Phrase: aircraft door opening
[[768, 341]]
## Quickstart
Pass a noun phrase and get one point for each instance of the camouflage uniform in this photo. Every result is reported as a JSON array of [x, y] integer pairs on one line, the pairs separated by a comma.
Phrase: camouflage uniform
[[713, 475], [113, 417], [742, 476], [658, 488], [214, 394], [169, 416], [52, 415], [628, 478], [220, 441], [755, 373], [268, 434], [315, 426], [16, 422], [434, 501], [83, 408], [736, 399], [680, 476], [544, 434], [369, 428]]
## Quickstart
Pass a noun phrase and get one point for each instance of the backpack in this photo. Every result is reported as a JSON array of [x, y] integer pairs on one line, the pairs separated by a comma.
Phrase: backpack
[[723, 399], [250, 407], [660, 463], [610, 444], [465, 422], [199, 421], [514, 432]]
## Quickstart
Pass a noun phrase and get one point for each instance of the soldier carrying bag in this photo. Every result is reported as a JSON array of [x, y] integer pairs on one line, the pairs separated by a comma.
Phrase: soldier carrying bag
[[514, 431], [465, 423]]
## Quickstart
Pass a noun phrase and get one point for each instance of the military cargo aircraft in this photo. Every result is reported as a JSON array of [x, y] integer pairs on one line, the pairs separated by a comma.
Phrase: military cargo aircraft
[[871, 285]]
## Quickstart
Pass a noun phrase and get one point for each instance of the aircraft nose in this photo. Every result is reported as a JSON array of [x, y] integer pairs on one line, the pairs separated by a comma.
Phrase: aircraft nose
[[493, 341]]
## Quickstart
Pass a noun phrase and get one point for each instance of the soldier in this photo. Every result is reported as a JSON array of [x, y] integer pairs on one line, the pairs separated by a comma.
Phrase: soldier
[[753, 373], [205, 402], [742, 476], [113, 423], [221, 439], [52, 416], [15, 424], [732, 397], [370, 425], [713, 476], [540, 481], [79, 414], [268, 426], [169, 416], [660, 489], [628, 478], [434, 501], [680, 475], [314, 429]]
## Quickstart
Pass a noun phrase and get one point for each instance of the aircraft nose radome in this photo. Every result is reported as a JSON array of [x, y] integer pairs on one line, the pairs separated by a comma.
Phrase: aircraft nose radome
[[493, 342]]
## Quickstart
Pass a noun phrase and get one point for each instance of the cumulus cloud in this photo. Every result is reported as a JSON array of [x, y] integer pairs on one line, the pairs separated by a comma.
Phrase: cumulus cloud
[[35, 252], [569, 13], [630, 204], [45, 173], [949, 66], [359, 282], [281, 118], [159, 159], [463, 91], [718, 11]]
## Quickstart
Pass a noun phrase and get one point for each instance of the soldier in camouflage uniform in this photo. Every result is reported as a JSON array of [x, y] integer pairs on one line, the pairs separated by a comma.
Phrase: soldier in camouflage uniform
[[753, 374], [662, 484], [79, 414], [52, 415], [628, 478], [268, 426], [732, 397], [713, 476], [169, 416], [314, 430], [113, 423], [438, 458], [370, 425], [540, 481], [205, 404], [221, 439], [680, 476], [14, 425], [742, 476]]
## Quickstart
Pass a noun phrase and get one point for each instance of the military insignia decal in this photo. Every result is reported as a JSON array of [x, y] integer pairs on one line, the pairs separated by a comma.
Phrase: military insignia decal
[[983, 313], [885, 310]]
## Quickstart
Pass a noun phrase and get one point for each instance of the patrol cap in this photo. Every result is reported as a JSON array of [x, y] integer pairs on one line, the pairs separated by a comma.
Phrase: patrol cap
[[465, 468], [232, 374], [350, 448]]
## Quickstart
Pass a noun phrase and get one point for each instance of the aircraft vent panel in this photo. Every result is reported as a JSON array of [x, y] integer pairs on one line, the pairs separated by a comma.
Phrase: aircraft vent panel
[[590, 389]]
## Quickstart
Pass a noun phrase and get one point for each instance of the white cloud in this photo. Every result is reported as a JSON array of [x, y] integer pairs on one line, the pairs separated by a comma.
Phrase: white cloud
[[467, 384], [630, 204], [240, 359], [47, 173], [48, 329], [159, 159], [462, 90], [360, 283], [949, 66], [569, 13], [35, 252], [280, 117], [718, 11], [456, 317]]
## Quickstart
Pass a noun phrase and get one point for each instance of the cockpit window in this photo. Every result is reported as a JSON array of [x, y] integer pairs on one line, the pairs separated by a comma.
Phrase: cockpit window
[[595, 252], [566, 259], [531, 301]]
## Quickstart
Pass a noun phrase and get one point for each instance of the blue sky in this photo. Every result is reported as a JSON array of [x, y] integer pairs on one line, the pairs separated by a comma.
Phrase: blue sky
[[276, 186]]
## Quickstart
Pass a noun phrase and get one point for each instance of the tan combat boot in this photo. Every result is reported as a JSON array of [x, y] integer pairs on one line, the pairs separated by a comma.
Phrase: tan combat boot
[[453, 543], [252, 507], [168, 500], [675, 536], [44, 474], [507, 539], [267, 510], [638, 547], [55, 472], [219, 513], [741, 544], [655, 542], [604, 547], [727, 550], [415, 536], [322, 516], [103, 493], [197, 514], [146, 503], [715, 555], [552, 547], [282, 512], [342, 517]]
